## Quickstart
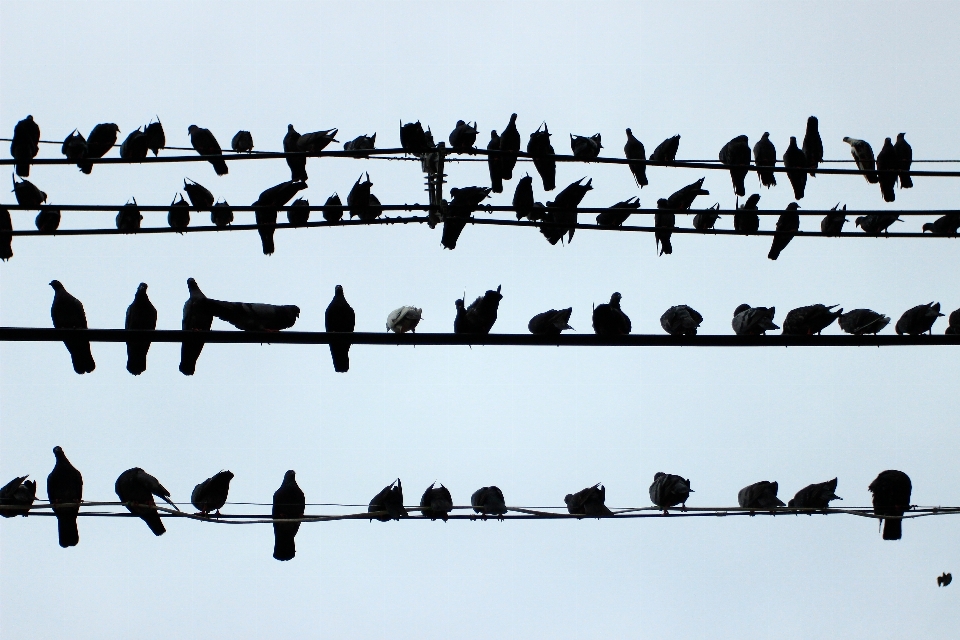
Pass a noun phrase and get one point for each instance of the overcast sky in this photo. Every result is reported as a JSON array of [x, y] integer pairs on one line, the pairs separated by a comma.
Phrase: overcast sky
[[537, 422]]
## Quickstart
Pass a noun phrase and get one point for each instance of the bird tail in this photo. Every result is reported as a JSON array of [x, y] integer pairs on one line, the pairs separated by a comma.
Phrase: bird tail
[[81, 356], [299, 174], [777, 246], [152, 518], [220, 167], [639, 170], [189, 354], [67, 528], [137, 357], [888, 193], [892, 528], [340, 352], [906, 182], [284, 545], [86, 167], [23, 169], [665, 245], [497, 184]]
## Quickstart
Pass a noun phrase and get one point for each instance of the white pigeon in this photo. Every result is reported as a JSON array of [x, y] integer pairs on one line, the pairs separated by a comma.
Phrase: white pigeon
[[404, 319]]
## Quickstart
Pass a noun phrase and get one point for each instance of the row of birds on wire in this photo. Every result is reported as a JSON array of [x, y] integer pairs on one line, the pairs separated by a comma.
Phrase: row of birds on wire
[[478, 318], [136, 490]]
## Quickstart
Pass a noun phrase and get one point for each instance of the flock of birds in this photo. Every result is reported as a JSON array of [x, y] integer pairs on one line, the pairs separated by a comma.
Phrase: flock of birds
[[136, 490]]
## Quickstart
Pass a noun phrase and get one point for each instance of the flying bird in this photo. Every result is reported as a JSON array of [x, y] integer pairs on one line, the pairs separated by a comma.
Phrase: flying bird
[[67, 313], [129, 217], [65, 493], [561, 216], [633, 150], [540, 149], [609, 319], [668, 490], [493, 163], [289, 503], [101, 139], [297, 164], [510, 142], [550, 323], [17, 496], [787, 226], [242, 142], [178, 217], [862, 322], [736, 155], [888, 168], [404, 319], [753, 321], [832, 223], [904, 158], [141, 316], [196, 317], [25, 145], [945, 579], [155, 137], [270, 201], [666, 151], [523, 197], [211, 494], [585, 147], [745, 222], [436, 502], [765, 155], [134, 146], [480, 316], [488, 501], [919, 319], [388, 503], [891, 498], [616, 215], [206, 145], [760, 495], [681, 320], [588, 502], [813, 145], [796, 165], [340, 317], [862, 152], [810, 320], [815, 496], [136, 488]]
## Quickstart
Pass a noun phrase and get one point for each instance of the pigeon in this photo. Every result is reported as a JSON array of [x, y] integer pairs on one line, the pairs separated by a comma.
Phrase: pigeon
[[796, 164], [155, 137], [65, 493], [891, 497], [863, 321], [584, 147], [919, 319], [540, 149], [954, 328], [361, 143], [550, 323], [141, 316], [832, 223], [28, 194], [815, 496], [297, 164], [810, 320], [129, 217], [412, 138], [561, 216], [178, 217], [736, 154], [616, 215], [705, 220], [813, 145], [462, 205], [388, 503], [523, 196], [904, 159], [480, 316], [298, 215], [665, 220], [877, 223], [760, 495], [255, 316], [101, 139], [196, 317], [134, 146], [48, 220], [200, 196], [316, 141], [404, 319], [272, 199], [221, 214], [668, 490], [340, 317], [747, 222], [666, 151], [765, 155], [609, 319], [25, 145], [67, 313], [888, 167], [333, 209], [862, 152], [206, 145], [488, 500], [74, 147], [17, 496], [787, 226], [358, 200], [588, 502], [6, 238], [242, 142], [289, 503], [493, 163], [947, 225], [680, 320], [633, 150], [509, 141], [945, 579], [753, 321], [136, 488], [436, 502], [463, 136], [211, 494]]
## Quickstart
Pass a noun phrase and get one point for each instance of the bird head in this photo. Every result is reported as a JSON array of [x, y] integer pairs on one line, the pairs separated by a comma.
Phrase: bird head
[[58, 452], [338, 291], [192, 128], [740, 309], [192, 285], [615, 299], [928, 226], [142, 288], [290, 476], [860, 220]]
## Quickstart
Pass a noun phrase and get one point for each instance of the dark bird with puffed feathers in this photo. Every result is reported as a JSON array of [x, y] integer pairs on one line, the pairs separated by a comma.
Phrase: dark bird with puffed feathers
[[494, 164], [523, 196], [67, 313], [48, 220], [796, 165], [6, 238], [862, 153], [919, 319], [954, 327], [542, 152], [705, 220], [745, 222], [665, 220], [753, 321], [810, 320], [297, 164], [888, 167], [340, 318], [945, 579], [358, 200], [28, 194], [815, 496], [361, 143], [633, 150], [388, 503], [255, 316], [488, 501], [242, 142], [463, 136], [561, 216], [666, 151], [765, 155], [760, 495], [668, 490], [136, 488], [196, 317], [65, 493], [813, 145], [412, 138], [134, 146], [736, 155], [480, 316], [588, 502], [891, 498], [947, 225], [609, 319], [585, 147], [25, 145], [200, 196], [904, 154], [211, 494], [509, 142], [787, 226], [550, 323], [463, 203], [141, 316], [129, 217], [178, 217], [271, 200], [681, 320], [17, 496], [206, 145], [221, 214], [832, 223], [616, 215], [863, 322], [101, 139], [289, 503], [877, 223], [298, 215], [436, 502], [74, 147], [333, 209], [156, 138]]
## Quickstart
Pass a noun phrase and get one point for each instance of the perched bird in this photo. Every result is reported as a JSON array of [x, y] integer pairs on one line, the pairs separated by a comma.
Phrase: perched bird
[[206, 145], [494, 164], [156, 139], [681, 320], [65, 493], [815, 496], [584, 147], [316, 141], [436, 502], [255, 316], [863, 321], [904, 154], [561, 216], [129, 217], [134, 146], [141, 316], [404, 319], [954, 327], [462, 205], [297, 164], [361, 143], [588, 502], [891, 498], [221, 214], [463, 136], [523, 196], [17, 496], [298, 215], [6, 238], [945, 579], [616, 215], [28, 194], [412, 138], [947, 225], [919, 319], [888, 168], [550, 323], [810, 320], [813, 145], [705, 220], [101, 139], [796, 165], [333, 209], [480, 316], [200, 196], [488, 500], [196, 317], [862, 152], [609, 319], [736, 154], [289, 503], [269, 201], [664, 222], [74, 147], [340, 318], [388, 503], [542, 152], [832, 223], [242, 142], [509, 141], [765, 155], [358, 200], [753, 321], [633, 150], [25, 145], [48, 220], [760, 495], [665, 219], [178, 217], [877, 223], [668, 490], [67, 313], [136, 488], [211, 494], [787, 226], [666, 151], [747, 222]]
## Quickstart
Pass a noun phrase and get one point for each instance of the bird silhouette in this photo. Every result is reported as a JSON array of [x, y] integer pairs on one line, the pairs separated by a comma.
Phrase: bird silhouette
[[633, 150], [404, 319], [242, 142], [891, 498], [134, 146], [550, 323], [815, 496], [609, 319], [832, 223], [289, 503], [67, 313], [178, 217], [74, 147], [101, 139], [269, 203], [765, 155], [666, 151], [681, 320], [945, 579], [6, 238], [509, 142], [298, 163], [141, 316], [65, 493], [493, 163], [954, 323], [129, 217], [298, 215], [206, 145], [796, 164], [340, 317], [200, 196], [523, 196], [462, 205], [585, 147], [25, 145], [221, 214], [810, 320], [480, 316], [211, 494], [17, 496], [787, 226], [862, 153], [136, 488], [706, 219], [155, 137], [488, 501], [436, 502], [463, 136], [588, 502], [760, 495], [863, 321], [254, 316], [919, 319], [813, 145], [877, 223], [753, 321], [48, 220], [561, 216], [888, 168], [947, 225], [616, 215], [333, 209], [388, 503], [736, 155], [196, 317], [28, 194], [540, 149], [668, 490], [361, 143], [413, 139], [745, 222], [359, 200], [904, 158]]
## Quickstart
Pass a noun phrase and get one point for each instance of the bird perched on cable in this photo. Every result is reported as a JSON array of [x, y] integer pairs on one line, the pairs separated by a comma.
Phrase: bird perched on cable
[[48, 220], [289, 503], [947, 225], [745, 222], [616, 215], [796, 164], [333, 208], [200, 196], [705, 220], [359, 200], [877, 223], [134, 146], [832, 223], [765, 155], [178, 217], [815, 496], [436, 502], [888, 167], [585, 147], [736, 155], [668, 490], [155, 137], [954, 326], [141, 316], [810, 320], [255, 316], [340, 318], [480, 316], [542, 152], [129, 217], [388, 503], [74, 147], [609, 319], [666, 151], [862, 153], [588, 502], [221, 214], [28, 194], [488, 501], [681, 320], [760, 495], [494, 164], [101, 139], [6, 238], [404, 319], [904, 153], [361, 143], [412, 138], [919, 319], [891, 498], [813, 145], [633, 150], [463, 136], [136, 488], [862, 322], [211, 494], [463, 203], [17, 496], [753, 321], [206, 145], [298, 215], [196, 317], [67, 313], [523, 197], [269, 203], [298, 163], [787, 226], [510, 143], [25, 145], [316, 141], [945, 579], [242, 142], [65, 493], [561, 216], [550, 323], [665, 219]]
